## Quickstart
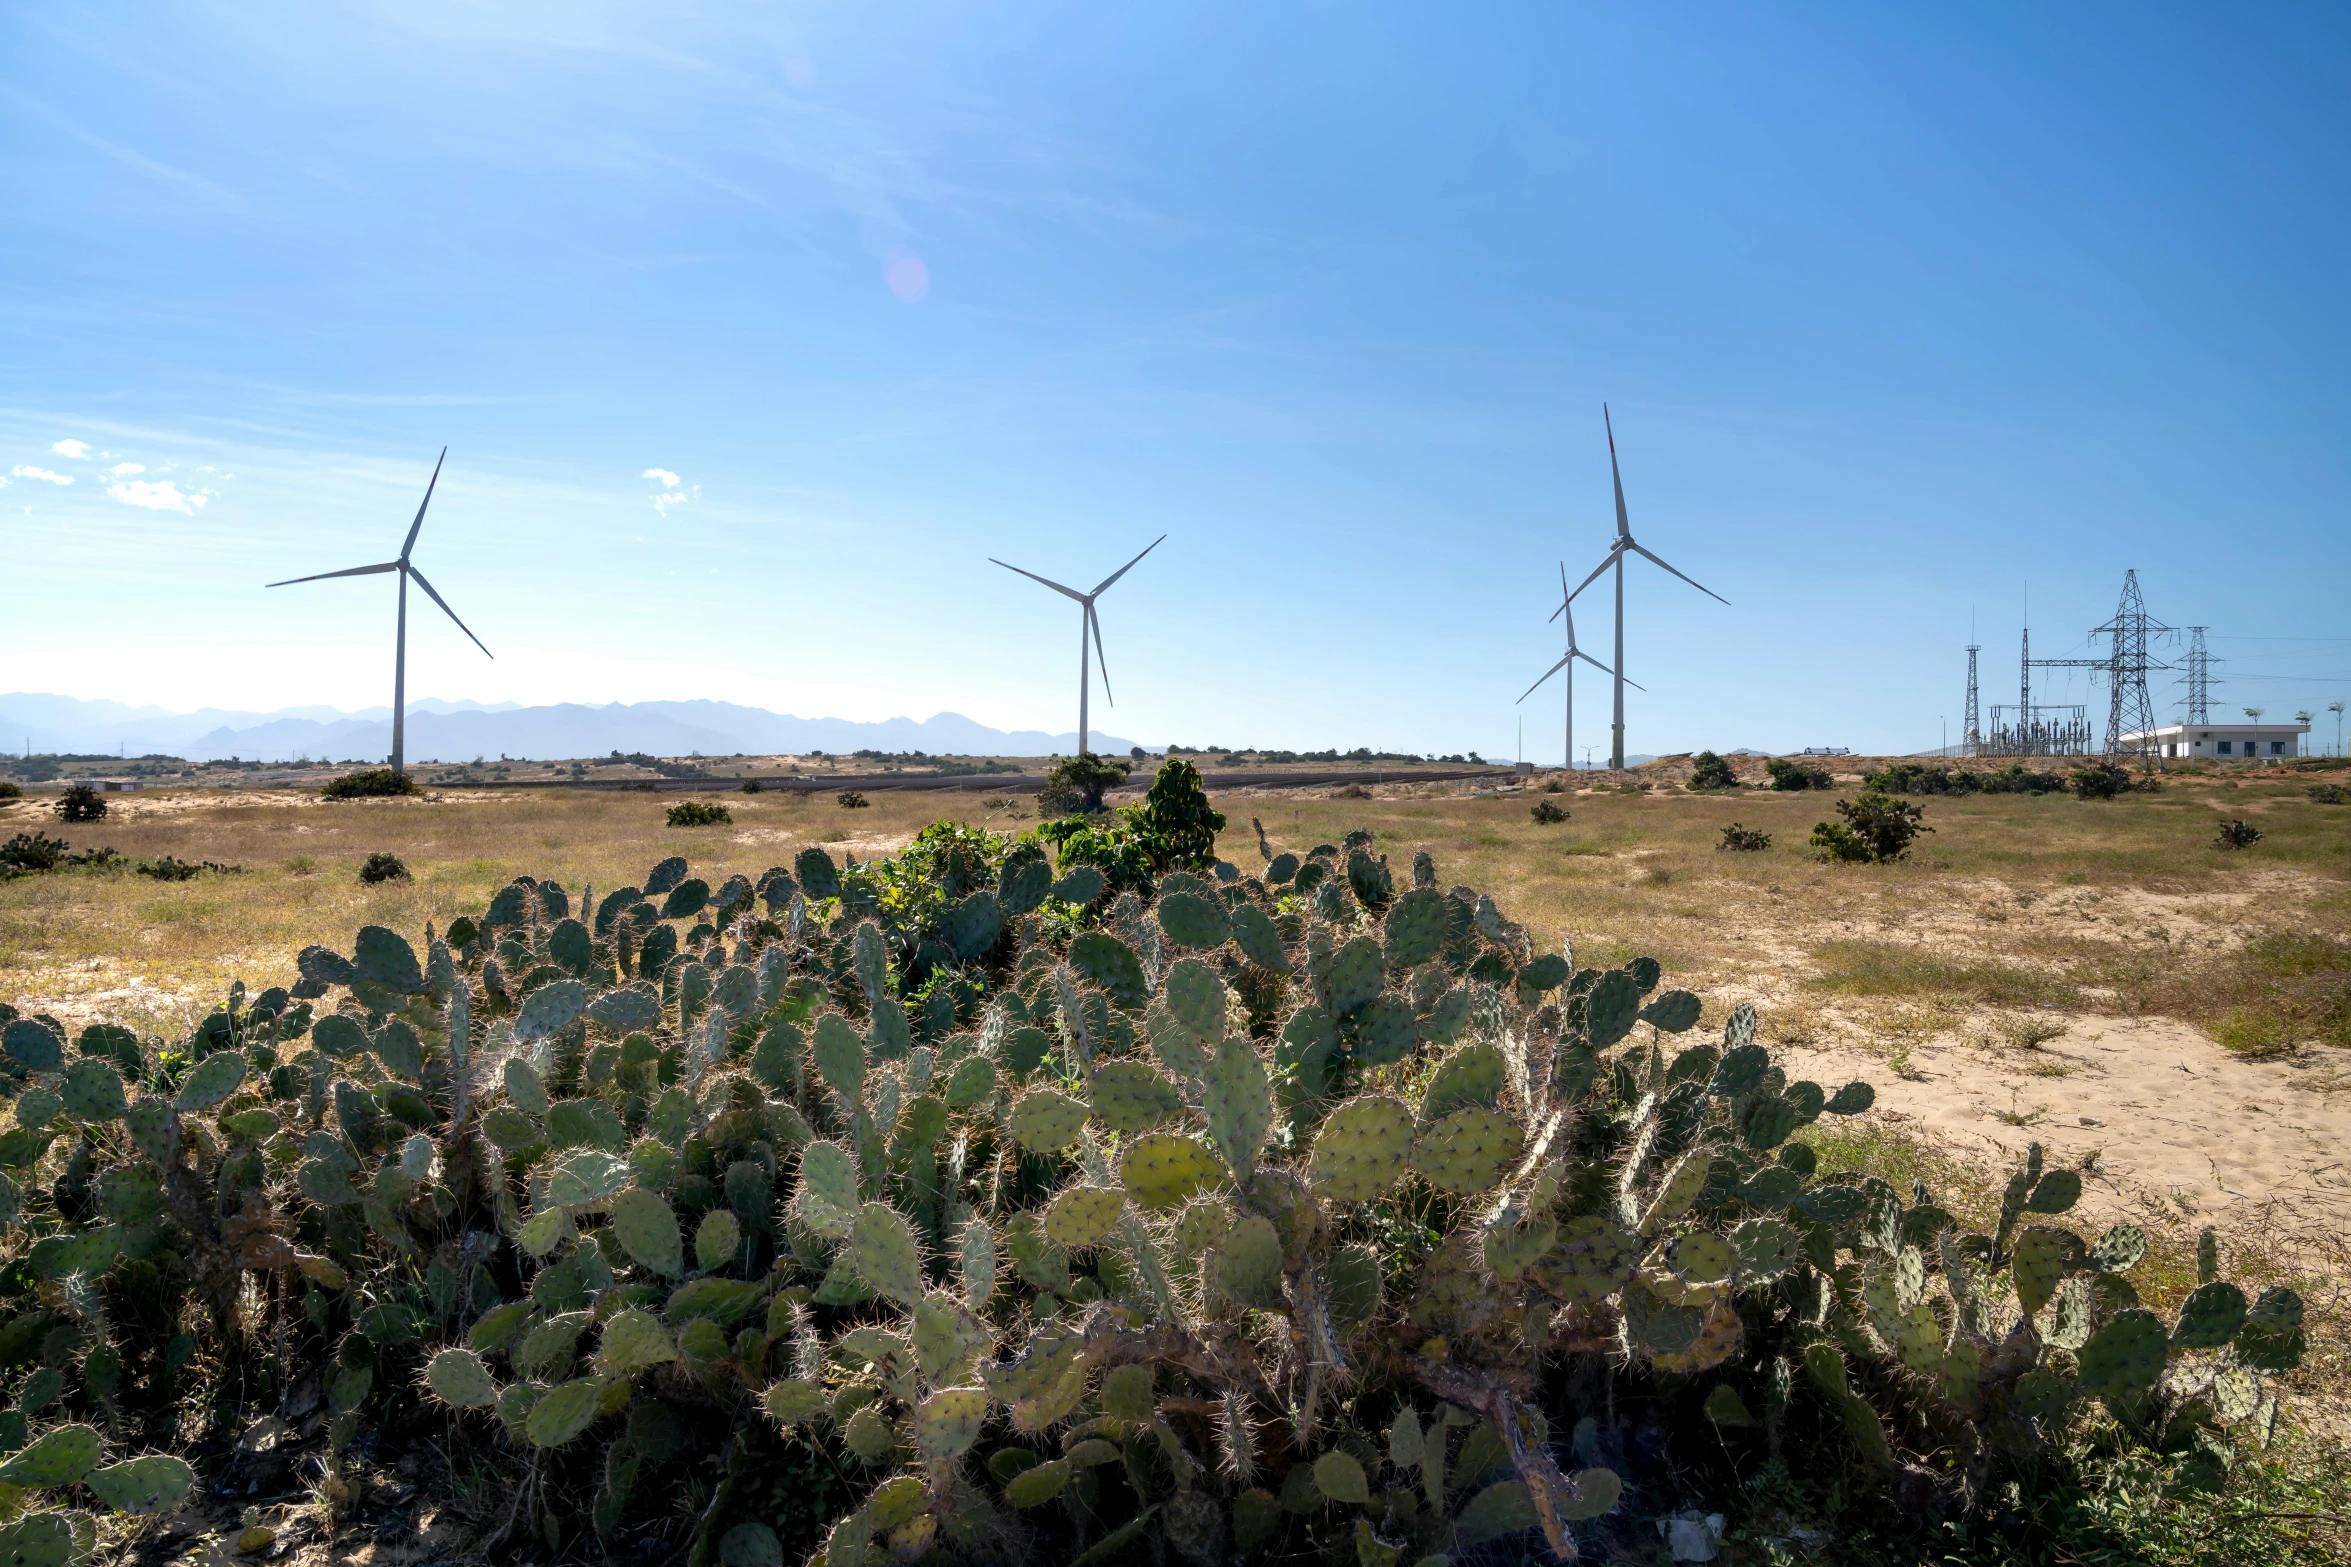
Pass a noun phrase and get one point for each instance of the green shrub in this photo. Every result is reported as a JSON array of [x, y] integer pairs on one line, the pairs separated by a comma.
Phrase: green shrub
[[32, 851], [170, 868], [80, 803], [1547, 812], [752, 786], [951, 1190], [1175, 823], [370, 783], [382, 866], [2330, 794], [2238, 833], [2100, 780], [1076, 783], [10, 790], [1877, 829], [1709, 771], [1743, 840], [851, 800], [1920, 778], [695, 813], [1786, 774], [2016, 778]]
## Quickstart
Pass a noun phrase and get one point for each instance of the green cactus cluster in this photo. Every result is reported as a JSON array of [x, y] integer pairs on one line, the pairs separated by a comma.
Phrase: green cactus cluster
[[955, 1207]]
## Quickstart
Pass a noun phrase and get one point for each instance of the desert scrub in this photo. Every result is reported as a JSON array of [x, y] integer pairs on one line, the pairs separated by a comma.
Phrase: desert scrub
[[370, 783], [381, 867], [885, 1207], [851, 800], [80, 803], [1878, 829], [1786, 774], [1744, 840], [1546, 812], [1709, 771], [696, 813], [2237, 833]]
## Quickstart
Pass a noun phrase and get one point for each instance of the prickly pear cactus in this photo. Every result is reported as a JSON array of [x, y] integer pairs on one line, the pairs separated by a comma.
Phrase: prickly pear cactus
[[938, 1206]]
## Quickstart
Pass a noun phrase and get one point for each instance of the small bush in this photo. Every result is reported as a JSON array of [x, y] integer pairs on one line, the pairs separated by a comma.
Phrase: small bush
[[1709, 771], [2016, 778], [81, 803], [752, 786], [1920, 778], [370, 783], [1787, 775], [2330, 794], [169, 868], [2237, 833], [848, 800], [1743, 840], [9, 790], [382, 867], [1878, 829], [1089, 776], [32, 851], [1353, 791], [1175, 824], [2100, 780], [696, 813], [1546, 813]]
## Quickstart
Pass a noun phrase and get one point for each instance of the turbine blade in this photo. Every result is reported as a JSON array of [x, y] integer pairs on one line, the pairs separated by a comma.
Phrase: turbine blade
[[1033, 577], [420, 506], [1606, 561], [355, 571], [446, 610], [1547, 674], [1624, 529], [1102, 659], [1129, 566], [1700, 586], [1595, 663]]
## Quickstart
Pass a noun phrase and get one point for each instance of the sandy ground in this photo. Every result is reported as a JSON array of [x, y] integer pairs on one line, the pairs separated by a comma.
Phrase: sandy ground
[[2163, 1122]]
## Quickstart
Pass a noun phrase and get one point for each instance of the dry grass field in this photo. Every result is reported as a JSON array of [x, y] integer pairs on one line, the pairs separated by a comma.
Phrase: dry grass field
[[2171, 1017]]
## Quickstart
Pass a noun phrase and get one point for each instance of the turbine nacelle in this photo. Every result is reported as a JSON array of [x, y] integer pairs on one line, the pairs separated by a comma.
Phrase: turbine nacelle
[[1089, 628]]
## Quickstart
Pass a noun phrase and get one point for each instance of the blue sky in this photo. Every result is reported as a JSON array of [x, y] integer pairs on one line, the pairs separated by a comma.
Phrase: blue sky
[[1897, 309]]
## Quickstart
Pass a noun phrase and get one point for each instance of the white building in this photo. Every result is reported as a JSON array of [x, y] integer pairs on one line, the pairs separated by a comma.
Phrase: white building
[[2228, 742]]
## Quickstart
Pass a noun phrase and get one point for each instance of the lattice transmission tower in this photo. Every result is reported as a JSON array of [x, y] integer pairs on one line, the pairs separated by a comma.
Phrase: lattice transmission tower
[[2199, 677], [1971, 735], [2130, 710]]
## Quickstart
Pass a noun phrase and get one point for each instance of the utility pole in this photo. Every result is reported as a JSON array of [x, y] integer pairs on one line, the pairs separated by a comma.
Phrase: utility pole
[[2199, 677], [2336, 708], [1971, 736]]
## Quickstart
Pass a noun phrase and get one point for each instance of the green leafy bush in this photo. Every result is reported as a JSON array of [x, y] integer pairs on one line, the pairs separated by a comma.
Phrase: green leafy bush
[[2100, 780], [33, 851], [1920, 778], [370, 783], [382, 866], [2237, 833], [1547, 812], [851, 800], [1076, 783], [1877, 829], [2016, 778], [960, 1207], [1743, 840], [1786, 774], [2330, 794], [10, 789], [171, 868], [1709, 771], [752, 786], [80, 803], [1175, 823], [695, 813]]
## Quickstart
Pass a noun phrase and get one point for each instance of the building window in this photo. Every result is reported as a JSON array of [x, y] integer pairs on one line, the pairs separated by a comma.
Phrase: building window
[[2277, 748], [2224, 748]]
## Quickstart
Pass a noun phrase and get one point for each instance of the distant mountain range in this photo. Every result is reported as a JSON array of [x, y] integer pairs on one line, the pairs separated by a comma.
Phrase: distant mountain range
[[459, 731]]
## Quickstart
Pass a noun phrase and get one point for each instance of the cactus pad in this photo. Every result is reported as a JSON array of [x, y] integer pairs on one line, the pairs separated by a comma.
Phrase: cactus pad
[[143, 1486], [1126, 1393], [883, 1250], [1259, 939], [1678, 1191], [947, 1423], [1414, 928], [92, 1090], [1202, 1225], [1385, 1031], [1191, 920], [1105, 961], [41, 1540], [1767, 1249], [1512, 1246], [646, 1228], [1767, 1120], [2118, 1250], [1594, 1258], [1475, 1074], [631, 1341], [1700, 1258], [1340, 1478], [458, 1378], [1239, 1103], [1357, 973], [1162, 1169], [212, 1080], [1675, 1012], [1034, 1487], [795, 1401], [840, 1056], [58, 1458], [1129, 1096], [1720, 1336], [1361, 1149], [2044, 1256], [1611, 1007], [1196, 999], [1045, 1121], [1247, 1264], [2126, 1356], [2210, 1316], [715, 1240], [946, 1337], [1468, 1150], [827, 1201], [550, 1010], [581, 1179], [1082, 1215], [1080, 885]]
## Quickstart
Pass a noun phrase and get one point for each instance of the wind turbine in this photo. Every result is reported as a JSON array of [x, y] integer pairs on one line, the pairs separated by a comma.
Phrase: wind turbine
[[1087, 624], [1617, 551], [1567, 662], [400, 645]]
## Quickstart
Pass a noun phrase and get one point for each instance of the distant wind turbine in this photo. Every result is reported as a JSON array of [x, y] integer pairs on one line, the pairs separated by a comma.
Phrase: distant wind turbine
[[407, 569], [1088, 625], [1567, 662], [1617, 551]]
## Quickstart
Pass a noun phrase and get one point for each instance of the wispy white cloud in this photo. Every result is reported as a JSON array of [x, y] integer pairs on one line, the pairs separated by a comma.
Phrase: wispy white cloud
[[669, 481], [25, 471], [157, 495], [674, 491], [77, 450], [187, 184], [127, 467]]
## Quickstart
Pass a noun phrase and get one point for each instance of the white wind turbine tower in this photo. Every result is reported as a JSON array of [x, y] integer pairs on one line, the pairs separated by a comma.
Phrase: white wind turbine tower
[[1088, 625], [407, 569], [1617, 551], [1567, 662]]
